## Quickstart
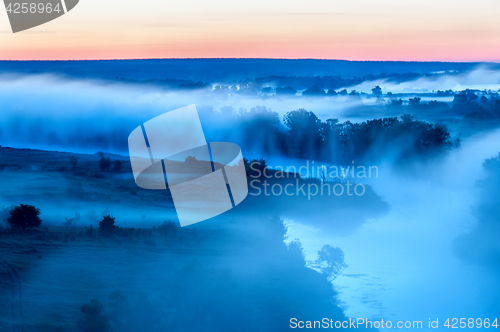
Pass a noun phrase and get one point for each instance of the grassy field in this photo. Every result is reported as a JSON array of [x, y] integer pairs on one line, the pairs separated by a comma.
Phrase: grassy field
[[47, 275]]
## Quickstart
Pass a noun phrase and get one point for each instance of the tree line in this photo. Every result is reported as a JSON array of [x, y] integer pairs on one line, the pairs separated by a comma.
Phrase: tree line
[[301, 134]]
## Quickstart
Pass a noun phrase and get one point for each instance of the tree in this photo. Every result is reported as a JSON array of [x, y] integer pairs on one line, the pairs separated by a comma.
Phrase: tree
[[415, 101], [330, 130], [287, 90], [107, 225], [168, 227], [104, 163], [117, 165], [74, 162], [24, 216], [331, 261], [377, 91], [259, 128], [95, 319], [396, 103], [305, 132], [314, 91], [190, 159]]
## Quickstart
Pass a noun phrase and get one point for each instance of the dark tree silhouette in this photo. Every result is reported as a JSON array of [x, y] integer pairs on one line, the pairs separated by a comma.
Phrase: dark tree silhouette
[[314, 91], [104, 163], [287, 90], [465, 101], [107, 225], [95, 319], [396, 103], [24, 216], [305, 132], [414, 101], [302, 135], [260, 129], [377, 91], [330, 130], [117, 165]]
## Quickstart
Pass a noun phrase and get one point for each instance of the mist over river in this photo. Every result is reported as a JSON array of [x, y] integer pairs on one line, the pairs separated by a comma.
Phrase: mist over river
[[402, 266]]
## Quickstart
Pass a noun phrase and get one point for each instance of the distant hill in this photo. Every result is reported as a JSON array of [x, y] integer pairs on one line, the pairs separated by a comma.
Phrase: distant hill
[[228, 69]]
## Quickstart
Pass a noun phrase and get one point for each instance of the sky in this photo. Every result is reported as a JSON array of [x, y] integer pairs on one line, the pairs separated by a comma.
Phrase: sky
[[421, 30]]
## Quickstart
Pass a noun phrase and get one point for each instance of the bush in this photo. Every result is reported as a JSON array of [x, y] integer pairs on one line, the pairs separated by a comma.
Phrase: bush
[[89, 231], [104, 163], [24, 216], [117, 165], [95, 319], [168, 228], [107, 225]]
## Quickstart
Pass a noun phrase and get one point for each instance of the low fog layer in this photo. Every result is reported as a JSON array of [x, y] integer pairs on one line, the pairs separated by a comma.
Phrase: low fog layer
[[419, 244], [56, 113], [437, 245]]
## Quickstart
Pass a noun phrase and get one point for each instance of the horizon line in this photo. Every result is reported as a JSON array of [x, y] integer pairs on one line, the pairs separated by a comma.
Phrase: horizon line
[[233, 58]]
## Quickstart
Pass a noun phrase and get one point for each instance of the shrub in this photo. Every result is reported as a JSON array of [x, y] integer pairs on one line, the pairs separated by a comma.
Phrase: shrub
[[24, 216]]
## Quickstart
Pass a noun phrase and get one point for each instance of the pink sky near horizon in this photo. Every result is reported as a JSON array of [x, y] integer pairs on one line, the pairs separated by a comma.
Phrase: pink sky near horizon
[[411, 30]]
